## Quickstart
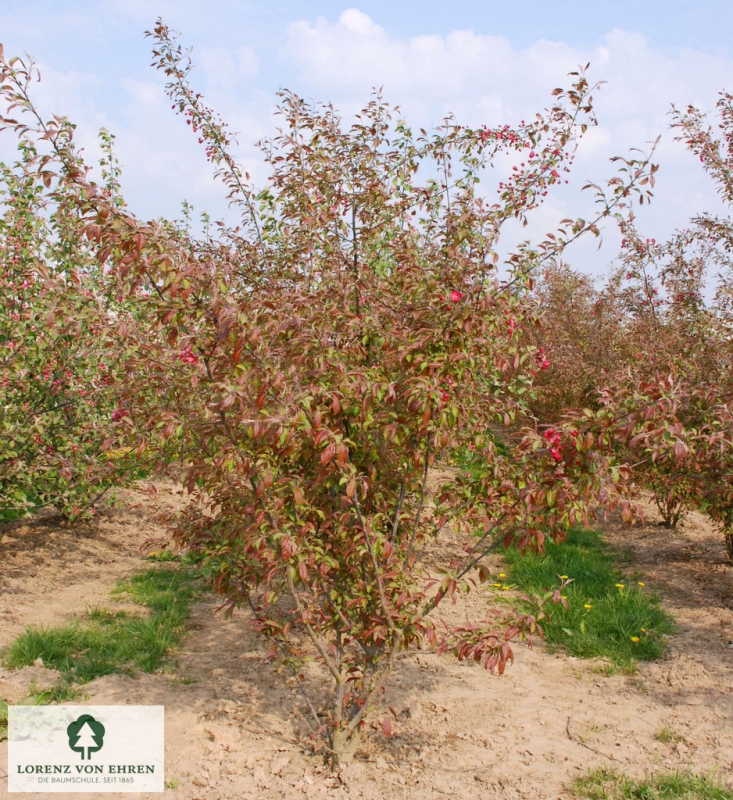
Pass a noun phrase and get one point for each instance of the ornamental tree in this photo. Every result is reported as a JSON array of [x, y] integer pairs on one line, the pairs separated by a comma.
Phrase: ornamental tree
[[682, 435], [669, 402], [687, 439], [581, 337], [312, 369], [58, 382], [669, 405]]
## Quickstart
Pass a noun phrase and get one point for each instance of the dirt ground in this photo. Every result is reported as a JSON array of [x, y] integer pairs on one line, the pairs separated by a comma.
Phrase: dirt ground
[[231, 729]]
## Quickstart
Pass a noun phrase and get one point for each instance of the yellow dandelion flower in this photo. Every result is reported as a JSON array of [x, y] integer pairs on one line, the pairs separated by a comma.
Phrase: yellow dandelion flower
[[502, 575], [587, 605], [619, 586], [504, 587], [498, 585], [564, 597], [641, 583], [643, 630], [564, 577], [634, 639]]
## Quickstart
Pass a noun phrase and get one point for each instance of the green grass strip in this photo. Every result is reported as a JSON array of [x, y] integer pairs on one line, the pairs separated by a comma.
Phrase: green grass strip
[[603, 784], [609, 615], [104, 642], [3, 720]]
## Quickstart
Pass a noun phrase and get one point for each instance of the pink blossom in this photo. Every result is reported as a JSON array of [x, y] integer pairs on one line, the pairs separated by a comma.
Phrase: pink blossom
[[455, 296], [119, 413], [187, 357]]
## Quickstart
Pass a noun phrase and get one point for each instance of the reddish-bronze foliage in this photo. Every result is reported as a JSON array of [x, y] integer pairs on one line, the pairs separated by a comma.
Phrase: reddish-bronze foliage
[[649, 355], [311, 368]]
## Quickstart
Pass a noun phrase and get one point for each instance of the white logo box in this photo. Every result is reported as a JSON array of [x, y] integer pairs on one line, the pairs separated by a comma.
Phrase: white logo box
[[71, 748]]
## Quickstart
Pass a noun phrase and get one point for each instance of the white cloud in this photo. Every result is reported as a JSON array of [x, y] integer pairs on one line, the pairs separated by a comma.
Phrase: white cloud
[[485, 79], [161, 160], [480, 77], [458, 70], [64, 94]]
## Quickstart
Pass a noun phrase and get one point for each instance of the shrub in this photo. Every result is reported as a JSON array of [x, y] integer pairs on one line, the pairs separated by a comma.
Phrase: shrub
[[59, 382], [312, 368]]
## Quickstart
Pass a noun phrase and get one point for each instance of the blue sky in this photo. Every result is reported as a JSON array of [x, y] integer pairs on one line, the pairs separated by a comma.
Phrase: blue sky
[[488, 62]]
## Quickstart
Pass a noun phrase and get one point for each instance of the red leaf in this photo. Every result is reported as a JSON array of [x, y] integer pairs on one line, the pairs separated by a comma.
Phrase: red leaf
[[328, 454]]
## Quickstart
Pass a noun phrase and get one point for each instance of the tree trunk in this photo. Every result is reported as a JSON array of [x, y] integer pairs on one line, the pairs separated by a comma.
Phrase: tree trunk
[[343, 747], [729, 544], [669, 507]]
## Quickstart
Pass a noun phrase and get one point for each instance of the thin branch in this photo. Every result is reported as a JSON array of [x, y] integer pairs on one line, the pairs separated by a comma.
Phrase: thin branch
[[377, 573], [396, 524], [468, 565], [422, 499], [295, 675], [340, 614], [379, 680], [332, 668]]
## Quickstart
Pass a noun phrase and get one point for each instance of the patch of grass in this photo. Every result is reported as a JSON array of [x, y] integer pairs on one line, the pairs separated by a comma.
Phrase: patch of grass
[[163, 556], [168, 556], [604, 784], [184, 681], [667, 735], [3, 720], [165, 591], [105, 642], [11, 514], [609, 615], [615, 669], [63, 693]]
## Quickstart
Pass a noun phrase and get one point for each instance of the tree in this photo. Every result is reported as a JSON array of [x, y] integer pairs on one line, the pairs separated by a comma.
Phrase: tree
[[580, 338], [650, 351], [58, 381], [675, 402], [313, 368]]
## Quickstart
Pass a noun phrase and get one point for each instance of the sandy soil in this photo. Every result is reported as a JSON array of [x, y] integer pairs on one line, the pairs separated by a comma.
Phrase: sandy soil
[[232, 726]]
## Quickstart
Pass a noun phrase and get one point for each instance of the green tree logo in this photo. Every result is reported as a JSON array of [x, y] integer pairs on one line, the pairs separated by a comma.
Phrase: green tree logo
[[85, 733]]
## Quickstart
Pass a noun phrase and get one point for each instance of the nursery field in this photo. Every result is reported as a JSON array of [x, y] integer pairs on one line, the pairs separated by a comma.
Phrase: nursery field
[[373, 503], [234, 729]]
